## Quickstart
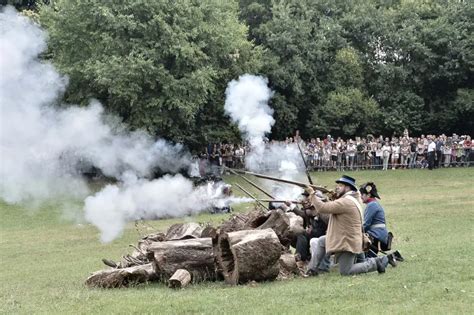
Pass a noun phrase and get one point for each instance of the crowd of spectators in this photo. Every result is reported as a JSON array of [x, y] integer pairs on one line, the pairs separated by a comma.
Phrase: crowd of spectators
[[360, 153]]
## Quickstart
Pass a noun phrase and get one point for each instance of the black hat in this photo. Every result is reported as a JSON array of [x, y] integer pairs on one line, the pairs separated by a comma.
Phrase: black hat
[[369, 189], [347, 180]]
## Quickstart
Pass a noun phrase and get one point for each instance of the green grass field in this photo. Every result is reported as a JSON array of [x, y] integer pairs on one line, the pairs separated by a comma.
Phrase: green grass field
[[45, 259]]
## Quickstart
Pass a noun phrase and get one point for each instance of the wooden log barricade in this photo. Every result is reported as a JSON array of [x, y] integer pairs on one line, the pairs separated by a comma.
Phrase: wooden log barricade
[[248, 247]]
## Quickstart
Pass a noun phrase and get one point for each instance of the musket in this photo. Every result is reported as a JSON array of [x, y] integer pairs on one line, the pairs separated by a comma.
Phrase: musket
[[250, 182], [287, 181], [280, 201], [305, 165], [251, 196]]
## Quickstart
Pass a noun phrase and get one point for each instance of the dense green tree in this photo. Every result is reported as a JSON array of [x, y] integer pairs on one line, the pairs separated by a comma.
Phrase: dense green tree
[[336, 66], [160, 65]]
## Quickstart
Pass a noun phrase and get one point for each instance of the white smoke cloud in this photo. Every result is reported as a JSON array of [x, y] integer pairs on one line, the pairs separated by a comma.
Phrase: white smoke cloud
[[42, 147], [169, 196], [247, 104]]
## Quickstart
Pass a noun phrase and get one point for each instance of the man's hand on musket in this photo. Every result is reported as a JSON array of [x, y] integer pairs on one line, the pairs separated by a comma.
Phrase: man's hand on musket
[[308, 190]]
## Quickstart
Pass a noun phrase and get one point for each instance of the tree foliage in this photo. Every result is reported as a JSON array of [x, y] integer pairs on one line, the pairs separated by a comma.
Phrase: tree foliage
[[160, 65], [344, 67]]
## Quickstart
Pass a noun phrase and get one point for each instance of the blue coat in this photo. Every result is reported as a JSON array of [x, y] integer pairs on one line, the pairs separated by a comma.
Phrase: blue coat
[[374, 214]]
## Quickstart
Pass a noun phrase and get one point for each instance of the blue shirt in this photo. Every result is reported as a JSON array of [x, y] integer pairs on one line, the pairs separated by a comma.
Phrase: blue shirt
[[374, 214]]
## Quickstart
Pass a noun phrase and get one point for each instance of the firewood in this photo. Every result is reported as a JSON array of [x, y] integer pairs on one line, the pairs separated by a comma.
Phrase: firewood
[[249, 255], [181, 231], [180, 279], [194, 255], [116, 278]]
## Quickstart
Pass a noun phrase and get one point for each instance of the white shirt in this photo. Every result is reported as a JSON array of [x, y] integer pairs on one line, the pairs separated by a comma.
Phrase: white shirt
[[432, 147]]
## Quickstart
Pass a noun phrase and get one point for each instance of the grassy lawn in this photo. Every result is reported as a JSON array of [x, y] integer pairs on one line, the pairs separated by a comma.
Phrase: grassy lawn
[[45, 259]]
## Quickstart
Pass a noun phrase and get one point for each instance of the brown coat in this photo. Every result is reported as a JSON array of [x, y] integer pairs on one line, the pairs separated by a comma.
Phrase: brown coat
[[345, 227]]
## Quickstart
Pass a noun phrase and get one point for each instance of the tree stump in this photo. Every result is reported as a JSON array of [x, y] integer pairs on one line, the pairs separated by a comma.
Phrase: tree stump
[[180, 279], [181, 231], [116, 278], [249, 255], [194, 255]]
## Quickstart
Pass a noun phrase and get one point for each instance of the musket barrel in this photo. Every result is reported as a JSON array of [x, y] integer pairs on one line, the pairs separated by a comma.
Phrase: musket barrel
[[287, 181], [251, 196], [250, 182]]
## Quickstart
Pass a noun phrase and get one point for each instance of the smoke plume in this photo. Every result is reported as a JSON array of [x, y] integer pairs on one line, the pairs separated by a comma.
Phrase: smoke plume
[[169, 196], [46, 148], [247, 105], [43, 147]]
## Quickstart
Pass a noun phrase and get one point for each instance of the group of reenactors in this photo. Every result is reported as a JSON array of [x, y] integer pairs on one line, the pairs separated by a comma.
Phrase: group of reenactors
[[338, 230]]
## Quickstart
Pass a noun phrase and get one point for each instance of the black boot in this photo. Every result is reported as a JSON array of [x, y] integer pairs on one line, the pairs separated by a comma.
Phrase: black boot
[[391, 260], [398, 257], [380, 264]]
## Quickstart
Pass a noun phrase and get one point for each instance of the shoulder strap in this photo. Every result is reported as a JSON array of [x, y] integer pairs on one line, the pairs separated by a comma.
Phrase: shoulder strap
[[359, 207]]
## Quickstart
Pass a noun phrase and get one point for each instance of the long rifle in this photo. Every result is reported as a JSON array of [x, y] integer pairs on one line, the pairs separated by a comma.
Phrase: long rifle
[[250, 182], [280, 201], [305, 165], [287, 181], [252, 196]]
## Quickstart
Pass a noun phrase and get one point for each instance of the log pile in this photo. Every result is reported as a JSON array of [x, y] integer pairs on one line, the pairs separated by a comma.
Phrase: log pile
[[248, 247]]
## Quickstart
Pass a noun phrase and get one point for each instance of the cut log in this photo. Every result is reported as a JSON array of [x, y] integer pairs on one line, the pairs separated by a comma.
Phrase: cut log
[[194, 255], [181, 231], [116, 278], [288, 266], [249, 255], [280, 223], [244, 221], [180, 279]]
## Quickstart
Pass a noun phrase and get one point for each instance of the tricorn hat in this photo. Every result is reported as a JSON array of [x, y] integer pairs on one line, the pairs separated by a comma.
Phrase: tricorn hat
[[347, 180], [369, 189]]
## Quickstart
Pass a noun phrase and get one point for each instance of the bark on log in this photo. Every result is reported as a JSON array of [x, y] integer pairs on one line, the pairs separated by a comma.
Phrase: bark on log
[[209, 231], [181, 231], [180, 279], [116, 278], [249, 255], [194, 255], [280, 223], [244, 221]]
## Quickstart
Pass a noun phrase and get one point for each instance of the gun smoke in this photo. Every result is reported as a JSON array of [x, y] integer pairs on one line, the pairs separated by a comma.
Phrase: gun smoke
[[247, 105], [46, 145]]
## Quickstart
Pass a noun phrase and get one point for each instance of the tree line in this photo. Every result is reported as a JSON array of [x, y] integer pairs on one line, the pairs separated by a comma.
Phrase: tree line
[[341, 67]]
